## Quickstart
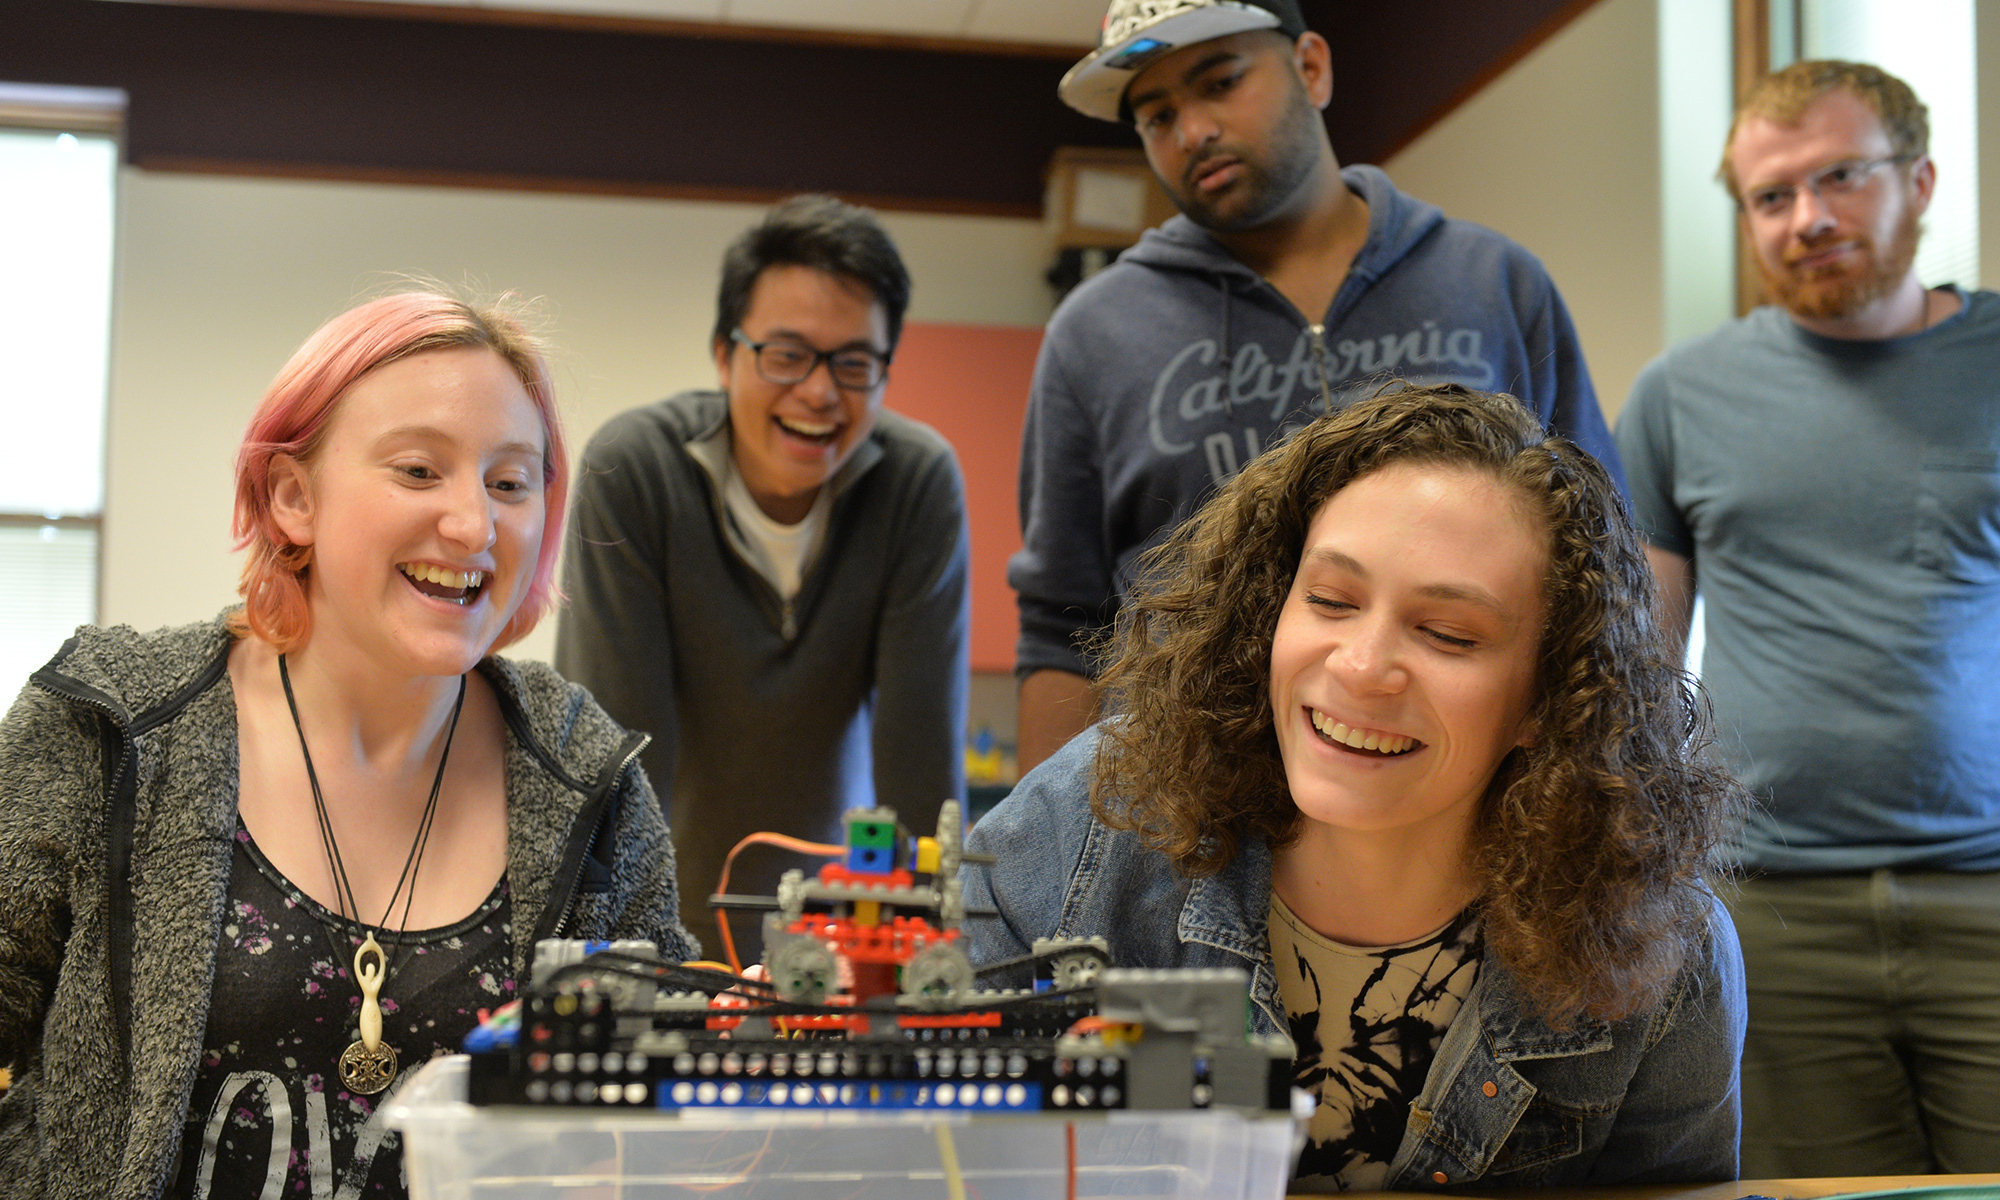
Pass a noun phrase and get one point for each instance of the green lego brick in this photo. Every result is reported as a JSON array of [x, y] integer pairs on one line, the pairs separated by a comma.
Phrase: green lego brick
[[871, 833]]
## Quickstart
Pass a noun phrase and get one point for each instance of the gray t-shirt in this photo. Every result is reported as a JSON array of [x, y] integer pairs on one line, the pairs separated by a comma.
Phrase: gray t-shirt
[[1841, 503]]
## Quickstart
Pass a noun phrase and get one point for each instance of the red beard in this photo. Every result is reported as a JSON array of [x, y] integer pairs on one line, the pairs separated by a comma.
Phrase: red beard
[[1837, 291]]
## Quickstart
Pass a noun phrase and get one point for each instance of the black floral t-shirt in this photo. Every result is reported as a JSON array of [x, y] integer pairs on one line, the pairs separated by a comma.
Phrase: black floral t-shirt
[[269, 1117]]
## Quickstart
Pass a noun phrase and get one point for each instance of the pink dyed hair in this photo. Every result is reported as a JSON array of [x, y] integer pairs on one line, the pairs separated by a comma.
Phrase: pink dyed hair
[[292, 420]]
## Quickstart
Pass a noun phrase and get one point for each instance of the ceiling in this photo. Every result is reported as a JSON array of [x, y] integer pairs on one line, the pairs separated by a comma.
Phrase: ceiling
[[1044, 22]]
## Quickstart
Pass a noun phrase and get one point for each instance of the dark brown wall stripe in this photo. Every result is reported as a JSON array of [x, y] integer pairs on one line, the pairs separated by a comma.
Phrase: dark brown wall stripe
[[361, 94]]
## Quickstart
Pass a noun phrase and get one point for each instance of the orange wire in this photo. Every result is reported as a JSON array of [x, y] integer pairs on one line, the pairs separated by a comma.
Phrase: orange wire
[[740, 1175], [780, 840], [1069, 1136]]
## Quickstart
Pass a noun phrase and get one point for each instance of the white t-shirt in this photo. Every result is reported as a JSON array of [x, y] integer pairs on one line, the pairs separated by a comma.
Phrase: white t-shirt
[[778, 551], [1367, 1021]]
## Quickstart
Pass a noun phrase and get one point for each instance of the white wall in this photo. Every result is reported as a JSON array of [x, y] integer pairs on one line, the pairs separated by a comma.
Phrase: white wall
[[1561, 153], [220, 279]]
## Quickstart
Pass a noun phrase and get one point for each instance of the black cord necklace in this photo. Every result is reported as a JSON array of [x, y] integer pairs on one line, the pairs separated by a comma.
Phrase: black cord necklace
[[369, 1064]]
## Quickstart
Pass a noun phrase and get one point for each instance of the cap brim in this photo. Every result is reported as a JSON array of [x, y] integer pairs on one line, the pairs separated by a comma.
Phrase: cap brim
[[1096, 86]]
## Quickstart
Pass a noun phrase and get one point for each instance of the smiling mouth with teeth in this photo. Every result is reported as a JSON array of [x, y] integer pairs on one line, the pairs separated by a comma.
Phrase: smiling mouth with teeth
[[455, 587], [1366, 741], [812, 431]]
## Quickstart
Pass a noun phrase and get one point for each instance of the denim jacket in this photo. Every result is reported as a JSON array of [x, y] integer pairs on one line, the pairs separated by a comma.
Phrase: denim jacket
[[1652, 1098]]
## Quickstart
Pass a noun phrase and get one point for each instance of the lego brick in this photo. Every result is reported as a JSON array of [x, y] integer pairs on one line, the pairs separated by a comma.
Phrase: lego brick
[[871, 858]]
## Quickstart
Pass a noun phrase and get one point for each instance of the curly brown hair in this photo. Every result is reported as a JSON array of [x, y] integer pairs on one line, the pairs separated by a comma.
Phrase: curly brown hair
[[1593, 845]]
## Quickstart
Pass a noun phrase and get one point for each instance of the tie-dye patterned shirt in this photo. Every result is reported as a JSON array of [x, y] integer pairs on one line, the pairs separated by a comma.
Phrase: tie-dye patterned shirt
[[1367, 1021], [269, 1117]]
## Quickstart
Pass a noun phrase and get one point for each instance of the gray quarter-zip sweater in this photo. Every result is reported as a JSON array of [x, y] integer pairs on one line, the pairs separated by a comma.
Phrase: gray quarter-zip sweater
[[118, 784]]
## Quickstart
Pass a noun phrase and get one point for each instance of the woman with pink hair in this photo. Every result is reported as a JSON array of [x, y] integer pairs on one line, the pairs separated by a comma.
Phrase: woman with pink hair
[[254, 870]]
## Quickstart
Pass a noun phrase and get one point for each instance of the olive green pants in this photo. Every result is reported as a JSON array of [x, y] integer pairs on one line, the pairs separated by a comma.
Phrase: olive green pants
[[1874, 1039]]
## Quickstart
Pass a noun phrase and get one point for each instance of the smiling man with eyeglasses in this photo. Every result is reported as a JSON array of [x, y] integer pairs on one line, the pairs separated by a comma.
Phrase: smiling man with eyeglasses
[[770, 578], [1826, 470]]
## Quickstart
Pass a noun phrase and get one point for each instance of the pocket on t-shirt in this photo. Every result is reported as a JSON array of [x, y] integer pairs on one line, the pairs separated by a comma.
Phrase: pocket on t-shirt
[[1958, 515]]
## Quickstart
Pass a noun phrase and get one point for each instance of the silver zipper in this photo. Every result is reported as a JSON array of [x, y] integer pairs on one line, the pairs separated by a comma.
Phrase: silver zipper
[[1316, 334]]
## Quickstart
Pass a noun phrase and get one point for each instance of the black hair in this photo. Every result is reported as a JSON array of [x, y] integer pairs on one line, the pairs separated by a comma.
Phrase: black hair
[[822, 233]]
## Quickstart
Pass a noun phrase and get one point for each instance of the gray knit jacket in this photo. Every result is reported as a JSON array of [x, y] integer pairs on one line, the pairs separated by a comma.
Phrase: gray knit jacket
[[118, 770]]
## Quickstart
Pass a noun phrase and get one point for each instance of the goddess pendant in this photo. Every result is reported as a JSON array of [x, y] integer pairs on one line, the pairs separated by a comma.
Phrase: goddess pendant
[[368, 1065]]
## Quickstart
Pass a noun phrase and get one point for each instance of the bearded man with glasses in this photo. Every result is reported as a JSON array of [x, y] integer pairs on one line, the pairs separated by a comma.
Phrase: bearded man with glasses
[[770, 578], [1826, 472]]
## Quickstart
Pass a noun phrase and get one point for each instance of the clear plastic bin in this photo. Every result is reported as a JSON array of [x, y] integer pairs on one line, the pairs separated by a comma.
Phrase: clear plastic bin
[[457, 1152]]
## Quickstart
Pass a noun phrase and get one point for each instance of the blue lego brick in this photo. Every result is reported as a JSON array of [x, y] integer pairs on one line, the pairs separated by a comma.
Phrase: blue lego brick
[[874, 859], [485, 1038]]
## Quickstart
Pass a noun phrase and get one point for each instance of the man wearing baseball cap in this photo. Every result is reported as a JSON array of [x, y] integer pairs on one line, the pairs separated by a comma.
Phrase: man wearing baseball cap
[[1288, 286]]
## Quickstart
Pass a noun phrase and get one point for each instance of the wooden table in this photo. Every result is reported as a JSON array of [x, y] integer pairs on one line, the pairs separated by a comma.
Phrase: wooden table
[[1780, 1189]]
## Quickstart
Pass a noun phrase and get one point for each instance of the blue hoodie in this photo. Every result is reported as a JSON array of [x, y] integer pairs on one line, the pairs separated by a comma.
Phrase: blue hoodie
[[1167, 372]]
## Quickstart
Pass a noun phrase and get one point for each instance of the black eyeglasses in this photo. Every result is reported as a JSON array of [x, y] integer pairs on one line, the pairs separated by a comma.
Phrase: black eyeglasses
[[787, 361]]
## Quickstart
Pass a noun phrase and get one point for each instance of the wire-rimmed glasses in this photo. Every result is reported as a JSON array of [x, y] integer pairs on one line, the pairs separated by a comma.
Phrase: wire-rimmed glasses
[[1833, 181]]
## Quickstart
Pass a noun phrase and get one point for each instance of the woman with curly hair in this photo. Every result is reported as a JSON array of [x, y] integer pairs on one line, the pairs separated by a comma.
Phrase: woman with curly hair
[[1392, 728]]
